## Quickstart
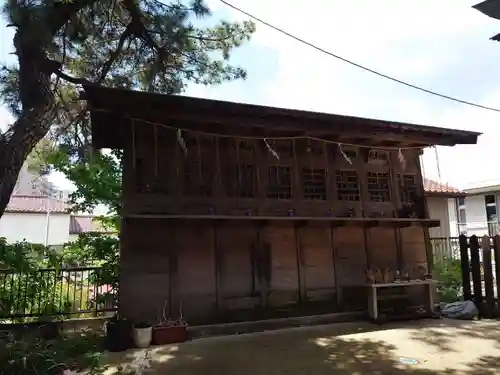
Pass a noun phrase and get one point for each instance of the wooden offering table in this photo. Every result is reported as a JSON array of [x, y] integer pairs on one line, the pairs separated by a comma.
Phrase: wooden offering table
[[398, 302]]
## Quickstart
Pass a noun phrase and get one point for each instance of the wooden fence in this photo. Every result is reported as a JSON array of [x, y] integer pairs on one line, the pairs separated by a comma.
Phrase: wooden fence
[[480, 276]]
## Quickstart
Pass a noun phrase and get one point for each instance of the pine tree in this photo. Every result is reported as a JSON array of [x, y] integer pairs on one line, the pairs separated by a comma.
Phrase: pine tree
[[149, 45]]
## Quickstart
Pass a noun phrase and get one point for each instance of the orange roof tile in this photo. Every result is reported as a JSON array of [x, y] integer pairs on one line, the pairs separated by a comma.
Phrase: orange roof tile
[[435, 187], [36, 204]]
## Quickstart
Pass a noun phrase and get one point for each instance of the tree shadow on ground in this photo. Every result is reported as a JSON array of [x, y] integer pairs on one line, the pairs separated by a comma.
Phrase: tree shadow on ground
[[443, 334], [314, 350]]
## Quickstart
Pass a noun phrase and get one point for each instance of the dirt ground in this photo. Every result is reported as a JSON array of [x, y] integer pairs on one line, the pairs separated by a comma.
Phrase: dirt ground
[[412, 348]]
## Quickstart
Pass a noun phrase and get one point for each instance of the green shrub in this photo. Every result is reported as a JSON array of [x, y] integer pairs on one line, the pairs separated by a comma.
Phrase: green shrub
[[448, 273], [30, 356]]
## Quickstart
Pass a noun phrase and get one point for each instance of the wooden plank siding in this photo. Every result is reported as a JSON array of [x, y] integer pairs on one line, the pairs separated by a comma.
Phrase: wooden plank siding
[[215, 270]]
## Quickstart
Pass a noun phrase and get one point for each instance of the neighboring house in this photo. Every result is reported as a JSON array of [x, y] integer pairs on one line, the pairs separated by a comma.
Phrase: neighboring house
[[442, 203], [33, 216], [26, 218], [84, 224], [480, 209], [31, 184]]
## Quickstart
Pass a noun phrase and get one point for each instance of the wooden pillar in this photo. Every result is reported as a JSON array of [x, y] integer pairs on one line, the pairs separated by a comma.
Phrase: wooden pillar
[[394, 168], [174, 302], [263, 267], [475, 262], [488, 277], [301, 275], [338, 290], [217, 251], [425, 230], [464, 259]]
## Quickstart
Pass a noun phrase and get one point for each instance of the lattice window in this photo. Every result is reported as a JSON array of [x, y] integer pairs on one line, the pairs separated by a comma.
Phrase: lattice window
[[316, 148], [284, 148], [408, 187], [378, 157], [240, 181], [347, 185], [314, 184], [280, 182], [378, 187], [198, 179]]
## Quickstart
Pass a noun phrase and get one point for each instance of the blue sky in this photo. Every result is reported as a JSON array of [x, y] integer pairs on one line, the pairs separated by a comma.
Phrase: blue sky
[[441, 45]]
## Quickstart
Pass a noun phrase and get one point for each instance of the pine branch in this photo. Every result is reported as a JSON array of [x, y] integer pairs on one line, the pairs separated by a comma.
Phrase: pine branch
[[123, 38]]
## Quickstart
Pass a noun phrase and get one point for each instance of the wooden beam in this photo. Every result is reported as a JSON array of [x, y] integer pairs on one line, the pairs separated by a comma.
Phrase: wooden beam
[[274, 127]]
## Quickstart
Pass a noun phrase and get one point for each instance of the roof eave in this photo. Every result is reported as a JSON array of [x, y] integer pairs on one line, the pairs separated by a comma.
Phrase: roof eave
[[490, 8], [228, 112]]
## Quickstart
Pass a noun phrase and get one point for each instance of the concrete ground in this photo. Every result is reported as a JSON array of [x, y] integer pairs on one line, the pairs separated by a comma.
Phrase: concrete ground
[[447, 347]]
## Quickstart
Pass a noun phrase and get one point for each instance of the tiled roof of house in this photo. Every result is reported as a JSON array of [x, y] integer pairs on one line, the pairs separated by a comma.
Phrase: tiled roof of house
[[36, 204], [435, 187], [85, 224]]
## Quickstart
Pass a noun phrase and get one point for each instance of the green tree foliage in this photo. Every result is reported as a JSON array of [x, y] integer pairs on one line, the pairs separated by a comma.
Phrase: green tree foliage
[[136, 44], [24, 289]]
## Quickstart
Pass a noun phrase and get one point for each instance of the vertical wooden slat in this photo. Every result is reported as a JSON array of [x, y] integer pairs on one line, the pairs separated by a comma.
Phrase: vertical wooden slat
[[134, 156], [361, 168], [178, 160], [173, 295], [488, 277], [218, 178], [465, 265], [367, 251], [301, 275], [217, 266], [496, 254], [394, 168], [296, 170], [328, 184], [156, 155], [427, 238], [476, 273], [338, 290]]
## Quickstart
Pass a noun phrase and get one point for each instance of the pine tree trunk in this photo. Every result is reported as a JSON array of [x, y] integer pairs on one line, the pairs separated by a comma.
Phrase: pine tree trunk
[[13, 152], [37, 99]]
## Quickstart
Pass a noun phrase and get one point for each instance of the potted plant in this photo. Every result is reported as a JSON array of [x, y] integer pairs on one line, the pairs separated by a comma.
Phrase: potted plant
[[142, 334], [118, 334], [170, 331]]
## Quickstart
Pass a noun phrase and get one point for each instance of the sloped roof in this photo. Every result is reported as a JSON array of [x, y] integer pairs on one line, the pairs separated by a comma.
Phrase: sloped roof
[[113, 108], [85, 224], [434, 187], [36, 204]]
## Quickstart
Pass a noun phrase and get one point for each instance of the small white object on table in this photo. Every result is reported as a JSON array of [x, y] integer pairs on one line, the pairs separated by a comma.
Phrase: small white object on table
[[373, 296]]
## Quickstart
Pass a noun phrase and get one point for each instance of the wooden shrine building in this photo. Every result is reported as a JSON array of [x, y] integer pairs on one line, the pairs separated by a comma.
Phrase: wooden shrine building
[[238, 212]]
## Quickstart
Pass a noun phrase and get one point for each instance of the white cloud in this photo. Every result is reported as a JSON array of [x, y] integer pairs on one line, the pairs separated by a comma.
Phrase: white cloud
[[442, 45]]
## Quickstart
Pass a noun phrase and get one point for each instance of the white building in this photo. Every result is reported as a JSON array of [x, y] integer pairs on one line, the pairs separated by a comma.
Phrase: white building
[[39, 213], [442, 202], [479, 210]]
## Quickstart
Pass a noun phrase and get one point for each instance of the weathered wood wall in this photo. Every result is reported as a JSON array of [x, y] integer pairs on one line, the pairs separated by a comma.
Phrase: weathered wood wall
[[234, 176], [215, 269]]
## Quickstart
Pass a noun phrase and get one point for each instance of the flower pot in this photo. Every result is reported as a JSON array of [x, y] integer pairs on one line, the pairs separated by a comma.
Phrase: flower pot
[[142, 336], [118, 335], [169, 334]]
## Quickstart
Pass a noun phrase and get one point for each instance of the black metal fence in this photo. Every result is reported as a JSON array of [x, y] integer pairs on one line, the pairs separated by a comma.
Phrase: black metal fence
[[54, 293], [76, 292]]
